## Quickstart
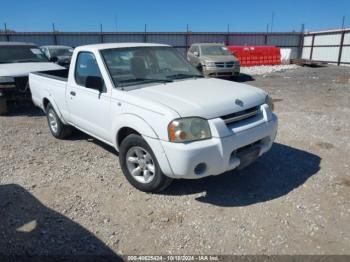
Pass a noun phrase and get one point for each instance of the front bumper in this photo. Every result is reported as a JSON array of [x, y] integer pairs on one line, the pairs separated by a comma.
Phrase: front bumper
[[217, 71], [15, 91], [218, 154]]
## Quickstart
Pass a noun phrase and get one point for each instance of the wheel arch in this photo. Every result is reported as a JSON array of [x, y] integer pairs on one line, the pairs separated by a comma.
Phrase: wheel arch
[[131, 124], [46, 101]]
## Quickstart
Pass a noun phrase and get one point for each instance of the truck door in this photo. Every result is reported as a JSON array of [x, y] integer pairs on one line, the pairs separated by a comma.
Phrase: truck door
[[88, 98]]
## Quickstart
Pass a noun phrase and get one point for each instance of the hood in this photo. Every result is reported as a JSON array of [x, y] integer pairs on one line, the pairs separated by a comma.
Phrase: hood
[[204, 97], [218, 58], [23, 69]]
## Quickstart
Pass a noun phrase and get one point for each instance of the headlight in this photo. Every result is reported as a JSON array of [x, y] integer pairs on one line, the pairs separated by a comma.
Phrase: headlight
[[268, 100], [209, 64], [188, 129], [6, 79], [7, 82]]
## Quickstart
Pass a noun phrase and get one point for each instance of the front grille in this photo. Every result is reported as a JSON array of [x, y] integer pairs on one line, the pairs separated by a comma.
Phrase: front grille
[[241, 115], [21, 83], [225, 64]]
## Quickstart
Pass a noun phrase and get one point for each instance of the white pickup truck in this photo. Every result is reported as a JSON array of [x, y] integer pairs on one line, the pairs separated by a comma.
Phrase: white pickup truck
[[166, 120]]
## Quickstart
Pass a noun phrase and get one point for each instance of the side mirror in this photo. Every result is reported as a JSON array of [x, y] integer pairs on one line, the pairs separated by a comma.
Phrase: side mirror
[[95, 82], [196, 53], [54, 59]]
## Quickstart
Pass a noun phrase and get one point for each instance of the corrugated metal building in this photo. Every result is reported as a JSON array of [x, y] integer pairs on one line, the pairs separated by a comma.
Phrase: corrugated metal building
[[181, 40]]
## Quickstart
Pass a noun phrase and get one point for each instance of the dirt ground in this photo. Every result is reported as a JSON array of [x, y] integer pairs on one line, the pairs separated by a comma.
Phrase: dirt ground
[[70, 197]]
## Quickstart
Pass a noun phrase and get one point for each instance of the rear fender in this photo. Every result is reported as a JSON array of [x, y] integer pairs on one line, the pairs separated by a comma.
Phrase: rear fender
[[54, 105]]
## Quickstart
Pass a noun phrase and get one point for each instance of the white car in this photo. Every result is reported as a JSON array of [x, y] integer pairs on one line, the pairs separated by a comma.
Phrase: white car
[[17, 60], [166, 120]]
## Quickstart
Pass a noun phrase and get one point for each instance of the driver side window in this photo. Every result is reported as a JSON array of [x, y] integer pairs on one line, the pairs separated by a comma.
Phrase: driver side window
[[86, 66]]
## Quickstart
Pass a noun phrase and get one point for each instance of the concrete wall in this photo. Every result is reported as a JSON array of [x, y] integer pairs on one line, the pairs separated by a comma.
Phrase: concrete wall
[[329, 46]]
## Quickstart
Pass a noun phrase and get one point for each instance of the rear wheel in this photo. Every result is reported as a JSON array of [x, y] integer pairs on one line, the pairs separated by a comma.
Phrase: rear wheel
[[57, 128], [140, 165], [3, 106]]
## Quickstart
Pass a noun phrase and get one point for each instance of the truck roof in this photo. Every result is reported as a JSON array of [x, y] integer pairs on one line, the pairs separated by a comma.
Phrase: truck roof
[[116, 45], [16, 43]]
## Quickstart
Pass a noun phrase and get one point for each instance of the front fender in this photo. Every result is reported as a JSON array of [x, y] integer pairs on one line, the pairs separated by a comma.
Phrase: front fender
[[135, 122], [148, 133]]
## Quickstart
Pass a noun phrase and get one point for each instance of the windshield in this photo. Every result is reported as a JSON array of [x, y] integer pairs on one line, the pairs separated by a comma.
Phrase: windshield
[[21, 54], [140, 65], [215, 50], [64, 51]]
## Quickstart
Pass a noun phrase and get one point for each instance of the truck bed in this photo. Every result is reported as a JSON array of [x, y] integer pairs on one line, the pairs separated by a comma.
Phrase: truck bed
[[60, 74], [46, 84]]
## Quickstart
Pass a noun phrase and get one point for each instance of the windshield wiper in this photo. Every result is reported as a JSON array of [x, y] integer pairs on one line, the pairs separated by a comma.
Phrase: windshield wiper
[[145, 80], [183, 76]]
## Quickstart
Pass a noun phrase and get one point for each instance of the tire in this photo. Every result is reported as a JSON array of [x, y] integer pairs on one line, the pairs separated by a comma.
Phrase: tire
[[3, 106], [57, 128], [144, 161], [234, 78]]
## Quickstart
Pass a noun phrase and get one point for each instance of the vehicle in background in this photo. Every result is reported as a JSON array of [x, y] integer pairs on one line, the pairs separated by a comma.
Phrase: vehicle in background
[[17, 60], [59, 54], [166, 120], [213, 59]]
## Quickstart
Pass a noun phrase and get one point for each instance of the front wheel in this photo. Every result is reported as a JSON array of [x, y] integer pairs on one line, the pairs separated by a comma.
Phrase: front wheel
[[140, 165]]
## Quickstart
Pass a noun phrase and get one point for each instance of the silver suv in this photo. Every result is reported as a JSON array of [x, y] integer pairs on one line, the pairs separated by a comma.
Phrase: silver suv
[[213, 59]]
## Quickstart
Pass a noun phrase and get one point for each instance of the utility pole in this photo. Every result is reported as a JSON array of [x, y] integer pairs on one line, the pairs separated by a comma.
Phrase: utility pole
[[267, 32], [54, 34], [272, 20], [187, 42], [228, 35], [6, 32], [343, 23], [145, 35], [301, 41], [101, 33]]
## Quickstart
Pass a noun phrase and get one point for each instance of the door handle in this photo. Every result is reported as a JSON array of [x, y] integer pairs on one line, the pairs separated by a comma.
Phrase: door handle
[[72, 93]]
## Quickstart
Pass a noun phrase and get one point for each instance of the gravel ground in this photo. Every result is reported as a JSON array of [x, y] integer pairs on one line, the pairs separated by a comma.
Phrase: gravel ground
[[263, 70], [70, 197]]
